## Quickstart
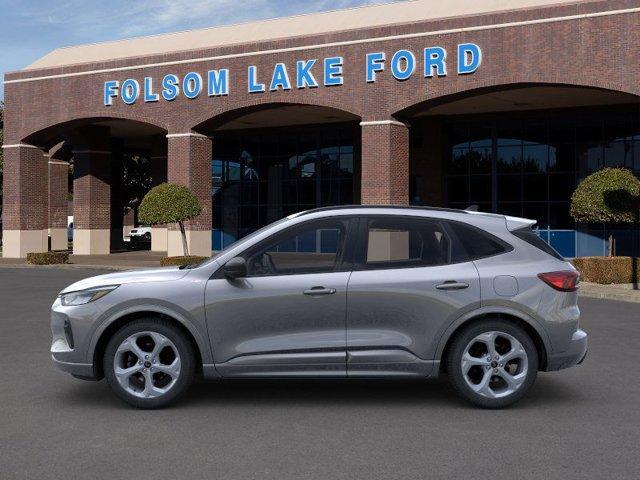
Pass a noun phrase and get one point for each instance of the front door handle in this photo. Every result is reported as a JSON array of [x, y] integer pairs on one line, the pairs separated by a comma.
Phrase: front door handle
[[452, 285], [317, 291]]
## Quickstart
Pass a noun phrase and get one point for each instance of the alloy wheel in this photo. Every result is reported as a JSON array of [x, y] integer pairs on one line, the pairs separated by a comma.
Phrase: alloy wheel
[[494, 364], [147, 364]]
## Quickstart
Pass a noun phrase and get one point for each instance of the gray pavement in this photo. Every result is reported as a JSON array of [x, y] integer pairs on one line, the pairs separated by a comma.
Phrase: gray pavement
[[577, 424]]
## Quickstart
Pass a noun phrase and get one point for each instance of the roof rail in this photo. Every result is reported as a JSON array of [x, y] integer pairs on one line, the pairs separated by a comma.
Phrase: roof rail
[[404, 207]]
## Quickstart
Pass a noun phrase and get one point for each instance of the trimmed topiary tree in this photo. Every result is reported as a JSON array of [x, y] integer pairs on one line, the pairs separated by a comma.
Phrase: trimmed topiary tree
[[608, 196], [170, 203]]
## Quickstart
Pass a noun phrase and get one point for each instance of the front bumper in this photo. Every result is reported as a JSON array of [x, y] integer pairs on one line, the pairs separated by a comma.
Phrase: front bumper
[[574, 355], [79, 370], [68, 344]]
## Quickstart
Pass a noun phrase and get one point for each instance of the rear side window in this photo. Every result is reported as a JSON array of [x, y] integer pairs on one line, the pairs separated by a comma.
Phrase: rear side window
[[402, 242], [529, 236], [475, 243]]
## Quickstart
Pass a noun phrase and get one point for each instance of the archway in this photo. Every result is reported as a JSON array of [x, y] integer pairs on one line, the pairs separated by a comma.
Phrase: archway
[[113, 162], [269, 161], [521, 150]]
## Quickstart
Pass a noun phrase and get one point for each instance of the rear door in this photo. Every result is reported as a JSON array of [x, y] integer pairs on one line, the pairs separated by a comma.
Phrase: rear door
[[410, 281]]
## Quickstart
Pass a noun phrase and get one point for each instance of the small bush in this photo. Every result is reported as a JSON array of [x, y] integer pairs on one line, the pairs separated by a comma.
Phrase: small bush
[[168, 203], [606, 270], [609, 195], [48, 258], [182, 261]]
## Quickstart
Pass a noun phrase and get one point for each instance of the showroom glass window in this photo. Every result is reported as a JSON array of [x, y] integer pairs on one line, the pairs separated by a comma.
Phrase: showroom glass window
[[528, 164], [260, 176]]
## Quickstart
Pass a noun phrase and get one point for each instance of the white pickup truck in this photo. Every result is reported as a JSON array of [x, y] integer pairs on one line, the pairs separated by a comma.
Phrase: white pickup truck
[[138, 236]]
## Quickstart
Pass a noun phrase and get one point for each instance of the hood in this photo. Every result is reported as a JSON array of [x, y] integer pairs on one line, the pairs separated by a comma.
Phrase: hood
[[133, 276]]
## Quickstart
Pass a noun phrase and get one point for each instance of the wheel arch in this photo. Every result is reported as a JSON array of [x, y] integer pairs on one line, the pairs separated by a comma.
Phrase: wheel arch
[[116, 323], [528, 325]]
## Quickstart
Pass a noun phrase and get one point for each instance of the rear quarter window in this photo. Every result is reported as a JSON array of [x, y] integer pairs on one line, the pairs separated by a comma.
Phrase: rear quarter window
[[532, 238], [474, 243]]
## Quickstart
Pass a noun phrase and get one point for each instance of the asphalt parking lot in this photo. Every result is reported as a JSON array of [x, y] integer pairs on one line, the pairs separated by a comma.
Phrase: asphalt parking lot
[[581, 423]]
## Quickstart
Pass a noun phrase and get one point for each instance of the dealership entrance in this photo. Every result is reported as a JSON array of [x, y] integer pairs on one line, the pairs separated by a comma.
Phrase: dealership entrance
[[271, 161]]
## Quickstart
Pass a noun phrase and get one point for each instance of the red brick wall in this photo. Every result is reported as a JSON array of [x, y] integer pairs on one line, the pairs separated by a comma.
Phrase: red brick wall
[[385, 164], [24, 201], [591, 52], [189, 164], [92, 190], [58, 188]]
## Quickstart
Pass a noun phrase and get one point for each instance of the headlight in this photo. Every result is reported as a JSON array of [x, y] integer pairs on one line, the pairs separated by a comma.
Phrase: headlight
[[85, 296]]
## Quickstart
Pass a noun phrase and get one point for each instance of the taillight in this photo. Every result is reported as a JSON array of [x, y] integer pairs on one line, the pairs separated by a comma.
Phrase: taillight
[[565, 281]]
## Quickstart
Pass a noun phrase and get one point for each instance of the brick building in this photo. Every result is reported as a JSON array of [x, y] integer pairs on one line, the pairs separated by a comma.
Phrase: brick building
[[418, 102]]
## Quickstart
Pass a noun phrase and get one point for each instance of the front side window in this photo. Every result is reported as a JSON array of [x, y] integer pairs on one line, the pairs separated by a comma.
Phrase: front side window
[[405, 242], [315, 247]]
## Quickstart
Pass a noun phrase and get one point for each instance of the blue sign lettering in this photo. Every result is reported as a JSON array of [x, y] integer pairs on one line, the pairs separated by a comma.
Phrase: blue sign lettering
[[110, 92], [170, 87], [216, 83], [375, 63], [130, 91], [280, 78], [434, 58], [304, 76], [192, 85], [254, 86], [403, 64], [149, 96], [469, 58], [333, 71]]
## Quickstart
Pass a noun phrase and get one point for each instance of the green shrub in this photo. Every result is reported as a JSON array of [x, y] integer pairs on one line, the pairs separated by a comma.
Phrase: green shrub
[[182, 261], [170, 203], [48, 258], [606, 270], [609, 195]]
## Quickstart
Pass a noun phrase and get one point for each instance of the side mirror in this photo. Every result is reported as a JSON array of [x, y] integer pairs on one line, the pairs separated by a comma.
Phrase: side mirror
[[235, 268]]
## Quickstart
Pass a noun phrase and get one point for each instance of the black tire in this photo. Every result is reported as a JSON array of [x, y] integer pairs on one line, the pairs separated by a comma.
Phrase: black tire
[[456, 351], [182, 344]]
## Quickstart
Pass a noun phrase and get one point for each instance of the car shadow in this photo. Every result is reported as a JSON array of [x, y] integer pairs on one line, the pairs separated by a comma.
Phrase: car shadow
[[436, 393]]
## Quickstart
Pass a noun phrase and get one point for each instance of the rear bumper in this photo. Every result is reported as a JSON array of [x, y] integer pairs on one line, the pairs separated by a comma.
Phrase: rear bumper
[[574, 355]]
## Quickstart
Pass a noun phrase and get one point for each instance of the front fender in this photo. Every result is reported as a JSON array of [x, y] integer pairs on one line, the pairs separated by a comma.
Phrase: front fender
[[153, 306]]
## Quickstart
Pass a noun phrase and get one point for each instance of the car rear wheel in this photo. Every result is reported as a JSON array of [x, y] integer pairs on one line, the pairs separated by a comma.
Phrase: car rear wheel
[[492, 363], [149, 363]]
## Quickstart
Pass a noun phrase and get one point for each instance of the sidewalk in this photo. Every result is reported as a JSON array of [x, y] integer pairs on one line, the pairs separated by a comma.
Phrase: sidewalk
[[623, 292], [115, 261]]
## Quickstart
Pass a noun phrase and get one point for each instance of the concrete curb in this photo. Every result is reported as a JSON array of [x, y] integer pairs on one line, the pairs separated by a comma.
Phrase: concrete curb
[[72, 266], [622, 293]]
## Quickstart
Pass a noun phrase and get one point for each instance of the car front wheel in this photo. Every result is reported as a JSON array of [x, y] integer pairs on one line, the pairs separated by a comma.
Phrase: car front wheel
[[149, 363], [492, 363]]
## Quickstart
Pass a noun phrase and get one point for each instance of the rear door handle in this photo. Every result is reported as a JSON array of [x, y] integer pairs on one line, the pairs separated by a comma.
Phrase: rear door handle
[[452, 285], [317, 291]]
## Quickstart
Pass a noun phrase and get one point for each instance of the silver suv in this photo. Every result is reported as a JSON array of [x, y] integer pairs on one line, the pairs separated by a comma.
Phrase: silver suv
[[344, 292]]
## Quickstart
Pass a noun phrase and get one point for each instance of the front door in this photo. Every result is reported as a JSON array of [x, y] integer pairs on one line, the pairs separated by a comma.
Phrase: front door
[[410, 281], [287, 317]]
